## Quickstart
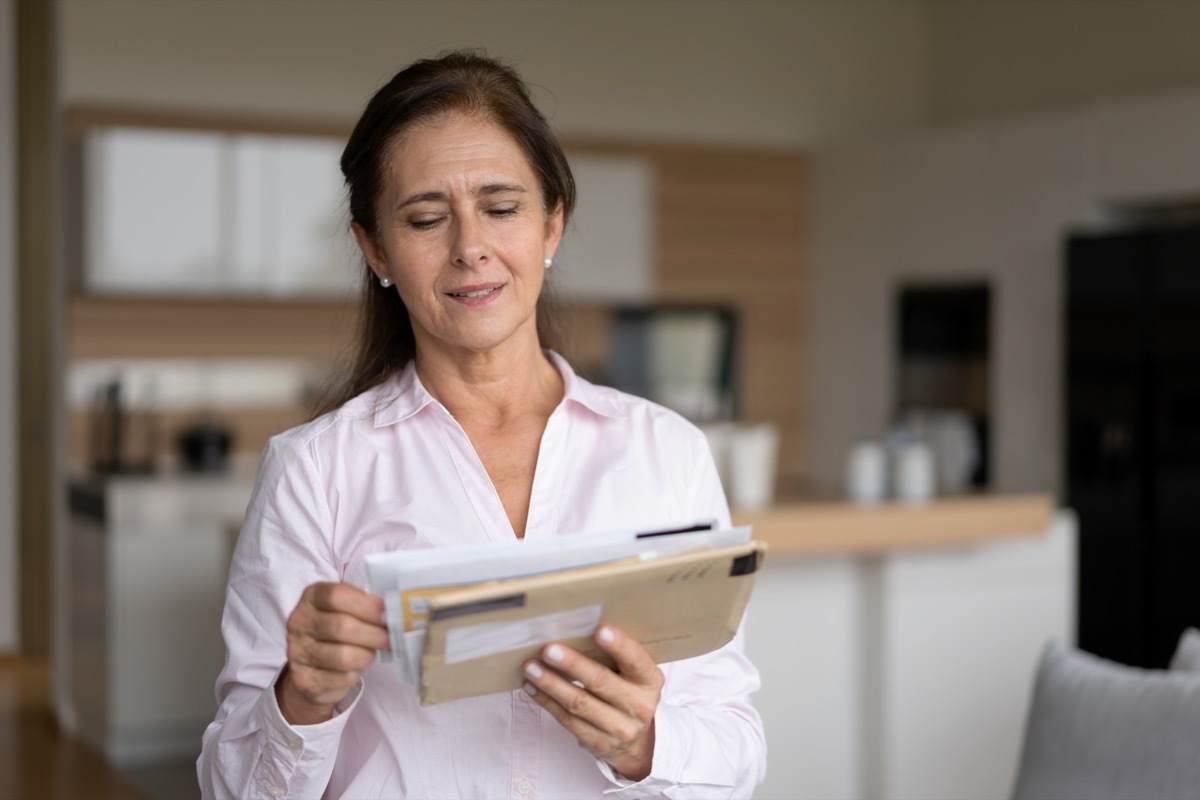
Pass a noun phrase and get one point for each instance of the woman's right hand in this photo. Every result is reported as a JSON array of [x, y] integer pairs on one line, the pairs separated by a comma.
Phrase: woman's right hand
[[332, 636]]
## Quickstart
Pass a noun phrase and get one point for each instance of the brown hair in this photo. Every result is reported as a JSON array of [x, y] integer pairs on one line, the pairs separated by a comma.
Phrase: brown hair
[[465, 81]]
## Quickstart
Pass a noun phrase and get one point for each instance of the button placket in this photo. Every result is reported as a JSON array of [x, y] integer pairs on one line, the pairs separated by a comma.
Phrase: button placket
[[526, 747]]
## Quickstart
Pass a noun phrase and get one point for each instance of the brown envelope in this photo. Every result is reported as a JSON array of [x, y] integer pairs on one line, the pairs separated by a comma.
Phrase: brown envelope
[[677, 606]]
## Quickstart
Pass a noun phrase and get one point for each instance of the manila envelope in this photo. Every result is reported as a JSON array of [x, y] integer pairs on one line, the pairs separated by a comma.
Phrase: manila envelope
[[677, 606]]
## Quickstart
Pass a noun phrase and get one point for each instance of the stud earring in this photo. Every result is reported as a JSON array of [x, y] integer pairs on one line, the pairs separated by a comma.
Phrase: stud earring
[[548, 262], [385, 281]]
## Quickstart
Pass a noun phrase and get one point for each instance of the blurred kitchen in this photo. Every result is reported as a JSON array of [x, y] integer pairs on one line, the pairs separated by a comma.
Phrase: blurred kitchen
[[892, 256]]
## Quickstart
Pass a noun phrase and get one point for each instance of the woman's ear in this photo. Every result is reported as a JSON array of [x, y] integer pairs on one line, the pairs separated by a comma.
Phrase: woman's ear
[[370, 250], [554, 230]]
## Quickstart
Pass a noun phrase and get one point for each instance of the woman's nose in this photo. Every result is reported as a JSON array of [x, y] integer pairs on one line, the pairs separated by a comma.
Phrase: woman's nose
[[469, 246]]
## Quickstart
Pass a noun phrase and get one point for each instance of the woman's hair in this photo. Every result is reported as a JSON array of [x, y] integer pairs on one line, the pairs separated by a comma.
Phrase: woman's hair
[[460, 81]]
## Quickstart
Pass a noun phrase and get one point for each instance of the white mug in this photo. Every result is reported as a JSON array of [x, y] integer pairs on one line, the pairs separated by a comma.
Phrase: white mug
[[866, 473], [753, 453], [913, 473]]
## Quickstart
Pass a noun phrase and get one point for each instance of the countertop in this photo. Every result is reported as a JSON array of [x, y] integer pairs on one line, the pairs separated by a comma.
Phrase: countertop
[[162, 501], [834, 528], [800, 528]]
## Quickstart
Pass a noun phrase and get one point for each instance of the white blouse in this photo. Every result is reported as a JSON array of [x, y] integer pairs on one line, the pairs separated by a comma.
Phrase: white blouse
[[391, 470]]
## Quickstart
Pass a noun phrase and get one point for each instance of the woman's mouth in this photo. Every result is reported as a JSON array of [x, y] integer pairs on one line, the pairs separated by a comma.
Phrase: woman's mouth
[[476, 295]]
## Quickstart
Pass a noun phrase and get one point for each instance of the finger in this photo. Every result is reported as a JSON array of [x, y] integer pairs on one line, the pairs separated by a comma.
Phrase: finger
[[623, 742], [328, 657], [604, 701], [634, 662], [348, 599], [340, 628], [315, 686], [637, 699], [589, 736], [309, 622]]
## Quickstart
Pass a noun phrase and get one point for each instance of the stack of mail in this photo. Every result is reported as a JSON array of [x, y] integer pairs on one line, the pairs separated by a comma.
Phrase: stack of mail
[[462, 620]]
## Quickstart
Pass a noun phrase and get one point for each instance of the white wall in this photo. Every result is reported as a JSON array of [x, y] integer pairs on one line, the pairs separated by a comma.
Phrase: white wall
[[981, 201], [753, 71], [9, 626], [997, 58]]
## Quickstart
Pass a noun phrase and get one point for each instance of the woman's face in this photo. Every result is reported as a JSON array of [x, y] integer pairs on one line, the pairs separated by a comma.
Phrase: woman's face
[[463, 235]]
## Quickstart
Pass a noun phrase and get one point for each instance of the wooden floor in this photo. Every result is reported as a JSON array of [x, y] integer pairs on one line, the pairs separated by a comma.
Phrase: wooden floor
[[36, 760]]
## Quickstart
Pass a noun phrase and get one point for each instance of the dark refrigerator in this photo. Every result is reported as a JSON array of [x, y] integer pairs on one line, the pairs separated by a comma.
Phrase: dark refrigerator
[[1132, 423]]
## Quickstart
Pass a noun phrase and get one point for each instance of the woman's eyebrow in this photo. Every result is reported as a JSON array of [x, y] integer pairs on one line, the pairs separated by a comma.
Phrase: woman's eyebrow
[[441, 197], [499, 188], [423, 197]]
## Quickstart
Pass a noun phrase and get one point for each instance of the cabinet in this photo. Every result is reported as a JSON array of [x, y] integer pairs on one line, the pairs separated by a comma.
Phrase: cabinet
[[903, 673], [606, 254], [178, 212], [137, 641], [213, 213]]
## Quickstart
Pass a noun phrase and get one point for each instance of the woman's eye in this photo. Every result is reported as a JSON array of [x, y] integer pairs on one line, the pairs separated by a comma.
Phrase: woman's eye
[[503, 211], [424, 223]]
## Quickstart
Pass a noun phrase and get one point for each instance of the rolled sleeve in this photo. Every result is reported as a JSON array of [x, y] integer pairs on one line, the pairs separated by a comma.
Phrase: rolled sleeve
[[277, 759]]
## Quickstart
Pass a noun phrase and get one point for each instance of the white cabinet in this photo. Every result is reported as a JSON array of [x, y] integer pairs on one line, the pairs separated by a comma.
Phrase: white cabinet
[[153, 211], [906, 676], [137, 642], [607, 251], [210, 213]]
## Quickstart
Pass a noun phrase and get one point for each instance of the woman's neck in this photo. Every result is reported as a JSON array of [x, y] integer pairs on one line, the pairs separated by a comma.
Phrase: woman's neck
[[494, 387]]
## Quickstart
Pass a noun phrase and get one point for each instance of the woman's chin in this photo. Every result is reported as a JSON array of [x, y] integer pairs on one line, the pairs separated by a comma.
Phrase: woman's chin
[[484, 336]]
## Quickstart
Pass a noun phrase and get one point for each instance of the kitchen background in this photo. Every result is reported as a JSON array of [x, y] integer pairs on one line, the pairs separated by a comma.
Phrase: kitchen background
[[801, 163]]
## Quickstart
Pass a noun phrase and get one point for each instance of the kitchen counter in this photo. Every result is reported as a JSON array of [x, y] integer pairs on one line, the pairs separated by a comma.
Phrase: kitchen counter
[[831, 528], [140, 588], [897, 643]]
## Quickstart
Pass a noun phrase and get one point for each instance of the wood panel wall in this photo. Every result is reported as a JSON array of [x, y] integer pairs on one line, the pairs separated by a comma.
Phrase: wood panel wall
[[730, 231]]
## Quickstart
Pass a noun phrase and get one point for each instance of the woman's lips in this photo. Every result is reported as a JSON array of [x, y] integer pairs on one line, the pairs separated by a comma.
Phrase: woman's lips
[[475, 296]]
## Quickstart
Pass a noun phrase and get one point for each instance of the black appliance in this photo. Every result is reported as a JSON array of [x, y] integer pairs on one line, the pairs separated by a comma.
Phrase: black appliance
[[1132, 425]]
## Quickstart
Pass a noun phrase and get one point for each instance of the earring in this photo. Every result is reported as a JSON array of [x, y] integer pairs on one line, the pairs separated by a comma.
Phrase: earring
[[548, 262], [385, 281]]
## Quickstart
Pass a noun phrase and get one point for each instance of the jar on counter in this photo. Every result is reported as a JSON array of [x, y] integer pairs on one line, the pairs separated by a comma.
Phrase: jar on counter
[[913, 476], [867, 472]]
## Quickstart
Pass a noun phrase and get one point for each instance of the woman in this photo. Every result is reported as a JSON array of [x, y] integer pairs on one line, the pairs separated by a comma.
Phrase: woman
[[457, 427]]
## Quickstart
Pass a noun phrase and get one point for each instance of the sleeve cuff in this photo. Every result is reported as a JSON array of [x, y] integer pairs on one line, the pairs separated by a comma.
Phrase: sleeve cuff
[[298, 738], [672, 743]]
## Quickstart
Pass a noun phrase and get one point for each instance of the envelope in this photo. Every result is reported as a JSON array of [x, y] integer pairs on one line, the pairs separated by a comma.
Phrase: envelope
[[677, 606]]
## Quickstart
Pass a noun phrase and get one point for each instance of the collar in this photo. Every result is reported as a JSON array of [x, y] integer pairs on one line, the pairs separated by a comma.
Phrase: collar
[[601, 400], [404, 395]]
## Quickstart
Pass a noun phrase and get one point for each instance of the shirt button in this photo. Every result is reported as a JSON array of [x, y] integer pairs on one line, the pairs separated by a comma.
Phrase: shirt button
[[524, 787], [524, 697], [275, 791]]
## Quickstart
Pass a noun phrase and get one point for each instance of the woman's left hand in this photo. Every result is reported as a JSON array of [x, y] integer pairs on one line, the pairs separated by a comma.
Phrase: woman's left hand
[[612, 716]]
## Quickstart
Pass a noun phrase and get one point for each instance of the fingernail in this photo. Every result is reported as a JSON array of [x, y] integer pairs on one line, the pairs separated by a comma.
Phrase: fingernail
[[533, 669], [555, 653], [606, 635], [530, 689]]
